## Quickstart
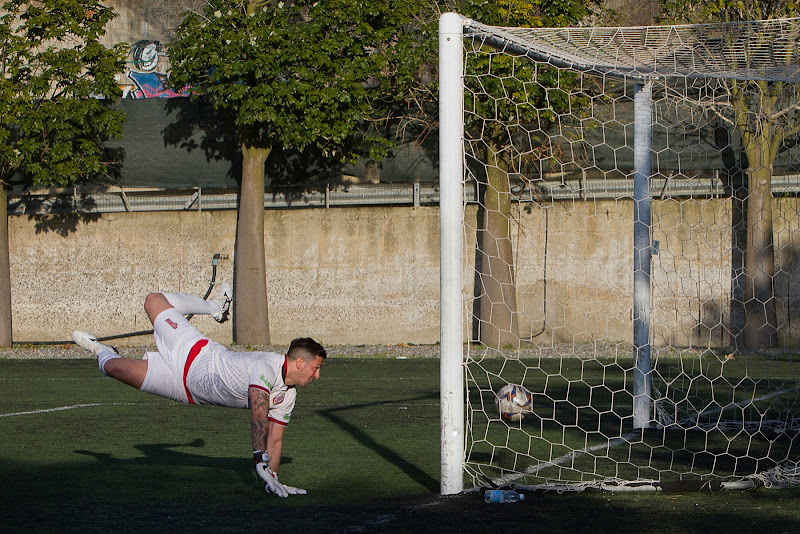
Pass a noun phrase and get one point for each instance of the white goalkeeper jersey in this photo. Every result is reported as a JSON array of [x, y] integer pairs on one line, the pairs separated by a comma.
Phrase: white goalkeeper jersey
[[219, 376]]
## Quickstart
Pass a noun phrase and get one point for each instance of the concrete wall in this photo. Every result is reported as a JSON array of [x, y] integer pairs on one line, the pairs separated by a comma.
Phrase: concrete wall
[[574, 271], [581, 290], [351, 275], [370, 274]]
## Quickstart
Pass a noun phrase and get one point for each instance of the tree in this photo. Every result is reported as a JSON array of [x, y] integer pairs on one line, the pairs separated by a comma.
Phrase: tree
[[517, 95], [766, 114], [53, 122], [290, 74]]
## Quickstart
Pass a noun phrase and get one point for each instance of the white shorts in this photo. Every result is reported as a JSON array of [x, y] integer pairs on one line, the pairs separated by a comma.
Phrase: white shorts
[[178, 342]]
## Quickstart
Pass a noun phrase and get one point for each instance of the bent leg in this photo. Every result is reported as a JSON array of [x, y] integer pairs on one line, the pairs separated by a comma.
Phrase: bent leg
[[191, 304], [127, 371], [154, 304]]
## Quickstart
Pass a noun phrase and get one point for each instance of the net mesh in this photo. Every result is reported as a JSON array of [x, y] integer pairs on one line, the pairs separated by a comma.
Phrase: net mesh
[[751, 50], [549, 152]]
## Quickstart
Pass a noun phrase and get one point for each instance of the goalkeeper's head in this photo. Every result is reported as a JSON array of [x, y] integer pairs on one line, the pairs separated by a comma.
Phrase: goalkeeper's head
[[303, 361]]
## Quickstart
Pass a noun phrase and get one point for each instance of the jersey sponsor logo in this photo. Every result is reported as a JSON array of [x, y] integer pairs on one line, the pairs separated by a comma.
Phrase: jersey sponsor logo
[[267, 382], [173, 324], [279, 398]]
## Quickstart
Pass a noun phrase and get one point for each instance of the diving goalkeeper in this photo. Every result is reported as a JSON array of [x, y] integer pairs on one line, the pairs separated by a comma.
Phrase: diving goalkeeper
[[191, 368]]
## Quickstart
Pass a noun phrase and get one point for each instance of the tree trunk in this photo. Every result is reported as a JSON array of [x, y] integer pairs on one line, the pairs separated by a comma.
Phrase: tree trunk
[[251, 316], [498, 301], [5, 273], [760, 329]]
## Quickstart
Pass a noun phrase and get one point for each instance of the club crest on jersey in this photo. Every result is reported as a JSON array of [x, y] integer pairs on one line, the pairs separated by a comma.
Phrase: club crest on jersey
[[279, 398], [173, 324]]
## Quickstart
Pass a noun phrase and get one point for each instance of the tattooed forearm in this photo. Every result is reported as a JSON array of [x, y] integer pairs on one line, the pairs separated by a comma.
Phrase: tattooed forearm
[[259, 412]]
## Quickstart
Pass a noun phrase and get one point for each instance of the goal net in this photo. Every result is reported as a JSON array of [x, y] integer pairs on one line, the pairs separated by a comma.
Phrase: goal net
[[621, 237]]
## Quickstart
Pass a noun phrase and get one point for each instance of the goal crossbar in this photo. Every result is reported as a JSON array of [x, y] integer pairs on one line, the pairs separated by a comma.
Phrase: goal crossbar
[[753, 50]]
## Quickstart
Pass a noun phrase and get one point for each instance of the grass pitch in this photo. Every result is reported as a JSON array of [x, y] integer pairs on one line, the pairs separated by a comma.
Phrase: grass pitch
[[82, 453]]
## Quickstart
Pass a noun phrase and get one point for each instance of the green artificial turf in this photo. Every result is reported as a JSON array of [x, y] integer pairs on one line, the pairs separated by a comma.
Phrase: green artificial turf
[[81, 452]]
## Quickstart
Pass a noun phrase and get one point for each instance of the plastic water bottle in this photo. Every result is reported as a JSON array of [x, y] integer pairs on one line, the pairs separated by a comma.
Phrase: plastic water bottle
[[493, 496]]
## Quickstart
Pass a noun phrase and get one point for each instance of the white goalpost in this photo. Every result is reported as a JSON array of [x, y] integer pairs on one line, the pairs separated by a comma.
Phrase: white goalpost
[[617, 239], [451, 135]]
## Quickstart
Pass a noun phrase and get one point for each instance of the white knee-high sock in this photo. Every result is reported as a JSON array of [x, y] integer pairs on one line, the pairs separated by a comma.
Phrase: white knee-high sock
[[103, 355], [192, 304]]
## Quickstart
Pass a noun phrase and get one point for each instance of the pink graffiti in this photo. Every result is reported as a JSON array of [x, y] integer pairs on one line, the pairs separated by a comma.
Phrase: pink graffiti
[[152, 85]]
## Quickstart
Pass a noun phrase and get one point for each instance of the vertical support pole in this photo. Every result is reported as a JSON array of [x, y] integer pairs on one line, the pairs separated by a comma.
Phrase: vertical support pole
[[451, 173], [642, 170]]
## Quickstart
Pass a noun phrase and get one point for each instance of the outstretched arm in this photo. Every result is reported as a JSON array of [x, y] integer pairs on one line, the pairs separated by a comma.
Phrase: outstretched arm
[[267, 440], [266, 436]]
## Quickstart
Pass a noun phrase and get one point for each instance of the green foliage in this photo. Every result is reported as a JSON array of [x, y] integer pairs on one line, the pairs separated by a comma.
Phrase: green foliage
[[701, 11], [514, 93], [53, 125], [527, 13], [298, 73]]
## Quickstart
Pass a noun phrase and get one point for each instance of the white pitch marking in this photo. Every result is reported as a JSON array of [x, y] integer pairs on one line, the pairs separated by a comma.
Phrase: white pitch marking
[[60, 408], [74, 406], [744, 402]]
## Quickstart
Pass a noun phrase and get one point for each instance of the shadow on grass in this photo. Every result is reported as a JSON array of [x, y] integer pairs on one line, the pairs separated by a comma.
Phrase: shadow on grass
[[168, 491], [128, 496], [164, 455], [387, 453]]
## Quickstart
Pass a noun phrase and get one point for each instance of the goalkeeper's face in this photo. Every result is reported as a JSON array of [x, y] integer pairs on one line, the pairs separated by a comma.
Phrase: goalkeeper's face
[[309, 371]]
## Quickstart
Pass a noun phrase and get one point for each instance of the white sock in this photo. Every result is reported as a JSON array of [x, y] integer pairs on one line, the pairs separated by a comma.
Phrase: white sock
[[192, 304], [103, 355]]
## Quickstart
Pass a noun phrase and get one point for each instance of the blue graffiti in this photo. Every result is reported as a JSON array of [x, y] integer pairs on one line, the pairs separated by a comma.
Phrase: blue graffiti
[[152, 85]]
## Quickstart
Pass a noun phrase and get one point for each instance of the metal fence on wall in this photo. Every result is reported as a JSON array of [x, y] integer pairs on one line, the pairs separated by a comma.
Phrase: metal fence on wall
[[115, 199], [81, 199]]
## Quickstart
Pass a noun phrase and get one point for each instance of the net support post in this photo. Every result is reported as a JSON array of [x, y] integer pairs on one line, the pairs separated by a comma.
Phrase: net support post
[[642, 252], [451, 173]]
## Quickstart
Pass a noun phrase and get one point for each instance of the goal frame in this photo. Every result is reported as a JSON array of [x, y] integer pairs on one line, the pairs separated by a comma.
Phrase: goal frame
[[654, 56]]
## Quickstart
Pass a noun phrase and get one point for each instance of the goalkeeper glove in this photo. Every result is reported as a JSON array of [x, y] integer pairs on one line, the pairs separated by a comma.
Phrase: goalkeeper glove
[[271, 478]]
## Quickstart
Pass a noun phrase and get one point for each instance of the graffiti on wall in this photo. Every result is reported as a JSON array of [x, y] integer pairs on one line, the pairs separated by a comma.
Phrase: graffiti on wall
[[151, 85], [147, 79]]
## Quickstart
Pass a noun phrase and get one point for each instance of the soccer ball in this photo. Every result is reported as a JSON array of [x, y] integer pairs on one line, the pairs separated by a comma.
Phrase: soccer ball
[[514, 402]]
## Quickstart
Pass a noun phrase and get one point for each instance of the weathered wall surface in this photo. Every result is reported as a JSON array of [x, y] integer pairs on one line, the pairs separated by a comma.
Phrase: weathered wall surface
[[574, 271], [370, 274], [352, 275], [581, 289]]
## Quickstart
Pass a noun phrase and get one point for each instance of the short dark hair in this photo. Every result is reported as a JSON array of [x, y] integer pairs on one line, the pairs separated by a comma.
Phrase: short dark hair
[[302, 347]]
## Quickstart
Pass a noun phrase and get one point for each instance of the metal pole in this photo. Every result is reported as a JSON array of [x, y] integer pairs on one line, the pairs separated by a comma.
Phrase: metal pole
[[642, 170], [451, 172]]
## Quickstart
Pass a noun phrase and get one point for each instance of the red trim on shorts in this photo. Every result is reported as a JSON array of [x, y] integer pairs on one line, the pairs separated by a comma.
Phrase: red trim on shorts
[[192, 355], [282, 423]]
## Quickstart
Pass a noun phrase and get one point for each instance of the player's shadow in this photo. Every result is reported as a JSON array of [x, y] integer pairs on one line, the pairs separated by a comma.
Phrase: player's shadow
[[413, 471], [165, 455]]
